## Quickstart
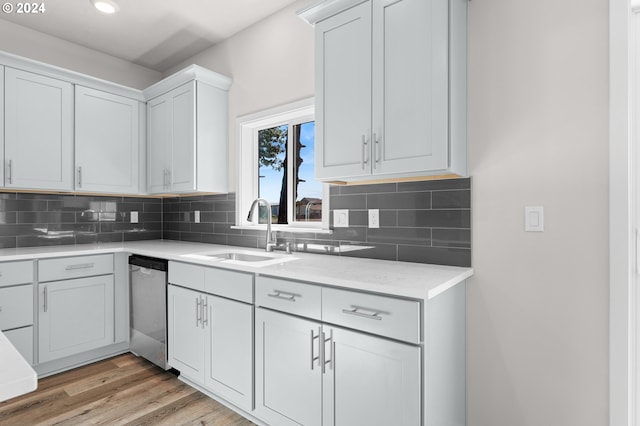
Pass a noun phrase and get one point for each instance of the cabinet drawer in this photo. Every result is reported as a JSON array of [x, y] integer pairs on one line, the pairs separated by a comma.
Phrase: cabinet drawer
[[12, 273], [75, 267], [289, 296], [231, 284], [22, 340], [382, 315], [186, 275], [16, 306]]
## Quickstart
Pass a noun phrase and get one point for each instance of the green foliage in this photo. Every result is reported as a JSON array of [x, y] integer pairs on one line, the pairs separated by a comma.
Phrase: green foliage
[[272, 143]]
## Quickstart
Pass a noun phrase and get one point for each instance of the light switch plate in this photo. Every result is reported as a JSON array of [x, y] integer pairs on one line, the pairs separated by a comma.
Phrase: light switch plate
[[341, 218], [134, 217], [196, 216], [374, 218], [534, 219]]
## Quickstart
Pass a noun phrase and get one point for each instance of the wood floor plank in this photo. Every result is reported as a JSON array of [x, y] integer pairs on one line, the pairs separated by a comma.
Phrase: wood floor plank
[[124, 390]]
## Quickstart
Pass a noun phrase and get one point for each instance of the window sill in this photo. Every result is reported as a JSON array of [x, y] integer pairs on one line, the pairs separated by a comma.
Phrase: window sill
[[285, 228]]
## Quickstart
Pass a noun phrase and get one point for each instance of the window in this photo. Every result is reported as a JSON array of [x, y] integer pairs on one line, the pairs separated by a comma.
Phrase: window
[[276, 163]]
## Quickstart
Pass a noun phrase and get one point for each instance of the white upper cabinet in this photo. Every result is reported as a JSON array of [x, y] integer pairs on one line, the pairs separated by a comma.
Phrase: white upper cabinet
[[107, 142], [38, 142], [390, 88], [187, 133]]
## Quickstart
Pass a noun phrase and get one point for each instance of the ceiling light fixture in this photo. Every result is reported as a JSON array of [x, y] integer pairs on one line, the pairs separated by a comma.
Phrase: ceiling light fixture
[[105, 6]]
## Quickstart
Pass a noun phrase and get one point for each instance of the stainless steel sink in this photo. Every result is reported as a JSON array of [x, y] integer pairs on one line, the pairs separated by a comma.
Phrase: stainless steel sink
[[244, 257]]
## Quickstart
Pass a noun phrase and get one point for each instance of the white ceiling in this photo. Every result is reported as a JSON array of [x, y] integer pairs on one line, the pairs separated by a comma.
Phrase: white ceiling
[[156, 34]]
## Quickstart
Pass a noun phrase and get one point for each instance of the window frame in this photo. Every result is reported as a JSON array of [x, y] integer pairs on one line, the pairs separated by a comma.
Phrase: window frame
[[247, 162]]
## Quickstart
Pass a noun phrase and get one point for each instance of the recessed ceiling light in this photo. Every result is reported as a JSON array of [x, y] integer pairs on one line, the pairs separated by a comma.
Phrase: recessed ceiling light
[[105, 6]]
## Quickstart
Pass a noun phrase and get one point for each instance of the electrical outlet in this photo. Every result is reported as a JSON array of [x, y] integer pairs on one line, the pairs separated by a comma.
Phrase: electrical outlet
[[374, 218], [341, 218], [196, 216], [134, 217]]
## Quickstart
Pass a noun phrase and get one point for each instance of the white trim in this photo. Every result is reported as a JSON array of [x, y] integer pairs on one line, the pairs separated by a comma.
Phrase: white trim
[[247, 125], [622, 388], [635, 6]]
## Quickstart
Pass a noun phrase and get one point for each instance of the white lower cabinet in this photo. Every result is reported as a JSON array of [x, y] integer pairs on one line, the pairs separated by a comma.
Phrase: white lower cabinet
[[288, 375], [315, 374], [210, 343], [75, 316]]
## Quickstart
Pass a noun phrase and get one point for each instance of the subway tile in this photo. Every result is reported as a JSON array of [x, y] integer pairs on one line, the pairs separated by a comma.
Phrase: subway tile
[[435, 218], [349, 234], [368, 189], [434, 185], [184, 207], [243, 241], [148, 217], [152, 207], [213, 217], [46, 217], [190, 198], [205, 206], [171, 235], [369, 250], [40, 241], [459, 199], [8, 218], [435, 255], [146, 235], [225, 228], [130, 207], [334, 190], [202, 227], [35, 196], [14, 230], [225, 206], [23, 205], [194, 237], [357, 218], [215, 239], [387, 218], [8, 242], [355, 202], [8, 195], [415, 236], [399, 201], [451, 238]]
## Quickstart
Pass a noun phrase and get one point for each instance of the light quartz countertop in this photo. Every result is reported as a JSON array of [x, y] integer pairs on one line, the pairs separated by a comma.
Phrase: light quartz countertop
[[404, 279], [16, 375]]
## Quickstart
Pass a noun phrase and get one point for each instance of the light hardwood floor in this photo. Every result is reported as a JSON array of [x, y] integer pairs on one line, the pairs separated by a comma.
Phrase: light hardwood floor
[[124, 390]]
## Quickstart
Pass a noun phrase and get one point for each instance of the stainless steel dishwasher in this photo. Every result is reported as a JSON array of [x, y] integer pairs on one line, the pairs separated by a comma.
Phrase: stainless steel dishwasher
[[148, 315]]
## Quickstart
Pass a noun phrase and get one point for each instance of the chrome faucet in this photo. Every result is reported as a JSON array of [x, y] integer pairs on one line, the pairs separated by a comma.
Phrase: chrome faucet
[[271, 241]]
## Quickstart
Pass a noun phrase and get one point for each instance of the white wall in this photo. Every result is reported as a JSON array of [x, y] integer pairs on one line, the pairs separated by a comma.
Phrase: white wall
[[271, 64], [34, 45], [538, 303]]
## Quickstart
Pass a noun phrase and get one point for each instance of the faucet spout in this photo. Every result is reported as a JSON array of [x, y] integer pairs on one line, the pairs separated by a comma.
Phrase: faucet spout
[[270, 240]]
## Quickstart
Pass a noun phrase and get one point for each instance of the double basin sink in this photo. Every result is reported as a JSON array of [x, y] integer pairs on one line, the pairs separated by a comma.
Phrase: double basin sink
[[243, 257]]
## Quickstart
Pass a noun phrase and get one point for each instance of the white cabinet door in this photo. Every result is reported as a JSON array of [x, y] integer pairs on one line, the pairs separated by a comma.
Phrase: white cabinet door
[[75, 316], [370, 380], [229, 350], [288, 377], [159, 147], [343, 93], [186, 332], [38, 131], [410, 86], [182, 160], [2, 126], [107, 142], [171, 133]]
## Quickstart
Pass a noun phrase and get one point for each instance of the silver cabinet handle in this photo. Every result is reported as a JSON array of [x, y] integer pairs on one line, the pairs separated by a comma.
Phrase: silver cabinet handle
[[79, 176], [205, 313], [365, 159], [10, 171], [326, 361], [283, 295], [80, 266], [356, 311], [376, 150], [198, 311], [44, 304], [314, 358]]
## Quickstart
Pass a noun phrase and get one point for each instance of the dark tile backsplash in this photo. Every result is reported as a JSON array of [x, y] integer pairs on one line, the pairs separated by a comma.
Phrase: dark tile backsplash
[[29, 219], [425, 222]]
